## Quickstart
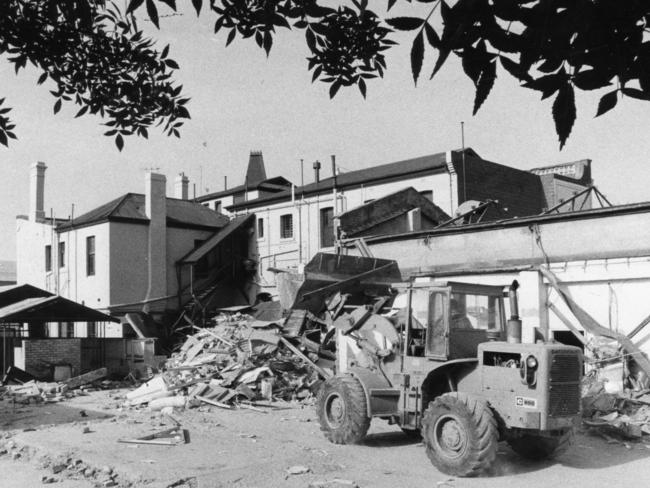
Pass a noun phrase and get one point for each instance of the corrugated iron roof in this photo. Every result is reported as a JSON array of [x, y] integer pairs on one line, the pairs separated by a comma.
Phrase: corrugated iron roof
[[131, 207], [396, 170], [26, 303]]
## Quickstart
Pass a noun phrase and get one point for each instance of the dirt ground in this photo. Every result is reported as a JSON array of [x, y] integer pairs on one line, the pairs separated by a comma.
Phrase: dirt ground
[[75, 444]]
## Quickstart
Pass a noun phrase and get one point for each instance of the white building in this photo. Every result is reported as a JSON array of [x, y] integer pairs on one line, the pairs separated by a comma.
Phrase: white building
[[293, 224], [127, 255]]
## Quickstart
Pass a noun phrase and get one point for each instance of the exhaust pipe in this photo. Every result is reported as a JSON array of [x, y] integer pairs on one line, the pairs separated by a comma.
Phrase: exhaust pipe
[[513, 327]]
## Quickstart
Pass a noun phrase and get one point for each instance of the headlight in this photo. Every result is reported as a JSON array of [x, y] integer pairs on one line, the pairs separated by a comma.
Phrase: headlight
[[531, 362]]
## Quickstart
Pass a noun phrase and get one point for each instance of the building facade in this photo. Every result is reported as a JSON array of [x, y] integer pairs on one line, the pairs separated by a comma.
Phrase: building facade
[[125, 256], [295, 223]]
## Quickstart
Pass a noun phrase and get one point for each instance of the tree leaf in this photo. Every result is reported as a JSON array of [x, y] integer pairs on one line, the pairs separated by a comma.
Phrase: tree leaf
[[417, 56], [442, 57], [231, 36], [3, 139], [152, 11], [405, 23], [514, 69], [133, 5], [57, 106], [390, 4], [362, 86], [591, 79], [485, 84], [607, 102], [197, 6], [564, 112], [42, 78], [83, 110], [334, 87], [432, 35], [171, 63], [635, 93], [119, 142]]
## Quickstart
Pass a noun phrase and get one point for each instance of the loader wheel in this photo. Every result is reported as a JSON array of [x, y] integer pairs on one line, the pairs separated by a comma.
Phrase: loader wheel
[[537, 447], [342, 410], [460, 434]]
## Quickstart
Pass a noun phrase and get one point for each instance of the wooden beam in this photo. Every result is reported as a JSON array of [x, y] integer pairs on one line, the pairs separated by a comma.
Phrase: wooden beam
[[591, 325], [297, 352], [639, 327]]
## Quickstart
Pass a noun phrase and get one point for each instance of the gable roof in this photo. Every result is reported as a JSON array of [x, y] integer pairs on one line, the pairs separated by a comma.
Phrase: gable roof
[[25, 303], [193, 256], [396, 171], [131, 208]]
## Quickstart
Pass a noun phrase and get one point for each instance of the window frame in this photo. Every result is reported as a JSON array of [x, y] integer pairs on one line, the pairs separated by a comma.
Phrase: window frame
[[48, 258], [91, 252], [260, 228], [286, 231], [62, 254]]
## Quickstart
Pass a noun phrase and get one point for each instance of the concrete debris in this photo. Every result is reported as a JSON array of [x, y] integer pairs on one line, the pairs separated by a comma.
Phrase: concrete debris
[[235, 362], [624, 414]]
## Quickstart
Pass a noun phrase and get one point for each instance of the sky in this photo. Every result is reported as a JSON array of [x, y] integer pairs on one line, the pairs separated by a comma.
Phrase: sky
[[242, 101]]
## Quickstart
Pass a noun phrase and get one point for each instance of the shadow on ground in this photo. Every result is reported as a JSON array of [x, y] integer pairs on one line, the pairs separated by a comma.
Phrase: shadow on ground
[[17, 416]]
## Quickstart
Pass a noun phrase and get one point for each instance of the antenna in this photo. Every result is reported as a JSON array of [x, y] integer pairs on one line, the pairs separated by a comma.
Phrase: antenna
[[462, 137]]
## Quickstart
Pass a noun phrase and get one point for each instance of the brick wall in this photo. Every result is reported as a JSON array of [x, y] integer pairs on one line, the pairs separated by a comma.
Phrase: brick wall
[[41, 354]]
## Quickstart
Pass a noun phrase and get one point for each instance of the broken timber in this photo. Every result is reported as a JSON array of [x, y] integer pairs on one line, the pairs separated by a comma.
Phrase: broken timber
[[297, 352], [169, 437], [591, 325], [86, 378]]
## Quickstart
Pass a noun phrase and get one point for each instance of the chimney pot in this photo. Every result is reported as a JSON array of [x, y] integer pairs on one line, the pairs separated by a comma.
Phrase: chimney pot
[[181, 185], [317, 171]]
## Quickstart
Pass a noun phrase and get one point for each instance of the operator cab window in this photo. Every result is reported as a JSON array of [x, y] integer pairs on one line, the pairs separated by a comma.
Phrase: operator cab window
[[478, 312]]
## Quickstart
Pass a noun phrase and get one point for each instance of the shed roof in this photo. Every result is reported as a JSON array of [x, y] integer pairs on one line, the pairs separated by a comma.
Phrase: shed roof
[[218, 237], [27, 303]]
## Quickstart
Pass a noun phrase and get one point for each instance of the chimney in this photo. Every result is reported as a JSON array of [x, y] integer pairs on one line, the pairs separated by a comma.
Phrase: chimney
[[37, 192], [317, 171], [156, 210], [181, 184]]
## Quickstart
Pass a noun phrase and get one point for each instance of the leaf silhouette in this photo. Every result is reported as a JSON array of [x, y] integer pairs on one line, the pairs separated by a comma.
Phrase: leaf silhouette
[[564, 112], [417, 56]]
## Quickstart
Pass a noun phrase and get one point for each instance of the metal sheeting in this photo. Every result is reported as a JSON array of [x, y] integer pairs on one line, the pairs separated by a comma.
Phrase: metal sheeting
[[26, 303]]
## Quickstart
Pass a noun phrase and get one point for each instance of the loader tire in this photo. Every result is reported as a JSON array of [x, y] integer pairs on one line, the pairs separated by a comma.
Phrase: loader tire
[[536, 447], [342, 410], [460, 434]]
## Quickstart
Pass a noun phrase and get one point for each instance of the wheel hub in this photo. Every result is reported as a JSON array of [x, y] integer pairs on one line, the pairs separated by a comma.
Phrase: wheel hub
[[450, 436], [335, 410]]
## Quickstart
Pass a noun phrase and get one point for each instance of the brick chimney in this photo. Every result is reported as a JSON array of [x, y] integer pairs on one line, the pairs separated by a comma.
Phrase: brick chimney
[[181, 184], [156, 210], [37, 192]]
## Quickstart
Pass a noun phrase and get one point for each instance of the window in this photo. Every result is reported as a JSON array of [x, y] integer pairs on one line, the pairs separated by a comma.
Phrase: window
[[207, 205], [61, 254], [90, 255], [217, 206], [66, 329], [260, 228], [48, 258], [327, 227], [428, 194], [286, 226], [92, 329]]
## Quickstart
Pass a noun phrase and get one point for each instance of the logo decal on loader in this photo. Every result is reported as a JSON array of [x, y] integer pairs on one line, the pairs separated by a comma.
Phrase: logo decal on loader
[[526, 402]]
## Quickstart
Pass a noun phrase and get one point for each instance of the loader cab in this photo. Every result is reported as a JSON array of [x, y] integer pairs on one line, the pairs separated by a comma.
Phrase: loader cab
[[443, 321]]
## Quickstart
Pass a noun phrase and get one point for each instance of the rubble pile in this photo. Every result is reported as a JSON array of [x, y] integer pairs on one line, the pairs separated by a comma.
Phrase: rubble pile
[[237, 361], [33, 391], [615, 395]]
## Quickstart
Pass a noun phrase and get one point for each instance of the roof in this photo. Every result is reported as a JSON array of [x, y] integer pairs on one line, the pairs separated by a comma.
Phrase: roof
[[217, 238], [131, 208], [392, 171], [26, 303], [277, 183], [388, 207]]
